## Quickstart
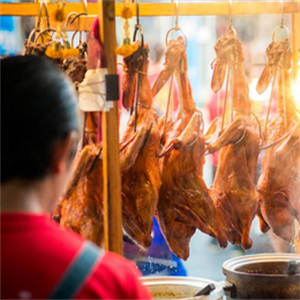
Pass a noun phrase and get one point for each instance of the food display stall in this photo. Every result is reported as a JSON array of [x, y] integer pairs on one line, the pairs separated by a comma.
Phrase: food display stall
[[155, 169]]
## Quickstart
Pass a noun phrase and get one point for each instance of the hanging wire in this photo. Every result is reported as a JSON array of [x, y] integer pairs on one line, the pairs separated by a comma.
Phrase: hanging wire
[[232, 87], [281, 25], [230, 71], [41, 34], [230, 13], [83, 130], [37, 28], [226, 97], [138, 28], [93, 165], [176, 16], [282, 14], [137, 101], [43, 4], [176, 27], [284, 102], [71, 20], [168, 106], [279, 140], [270, 104], [180, 97]]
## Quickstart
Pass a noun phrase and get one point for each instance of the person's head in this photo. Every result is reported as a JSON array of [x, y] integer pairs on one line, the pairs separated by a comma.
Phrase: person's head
[[39, 123]]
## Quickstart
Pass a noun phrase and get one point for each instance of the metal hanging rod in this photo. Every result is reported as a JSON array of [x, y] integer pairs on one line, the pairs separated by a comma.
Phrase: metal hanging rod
[[162, 9]]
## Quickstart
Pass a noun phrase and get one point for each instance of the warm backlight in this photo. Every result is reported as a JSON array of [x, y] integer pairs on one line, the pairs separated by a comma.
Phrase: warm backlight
[[254, 96], [296, 91]]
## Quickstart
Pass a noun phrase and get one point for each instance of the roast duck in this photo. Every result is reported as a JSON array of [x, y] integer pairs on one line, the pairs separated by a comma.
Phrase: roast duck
[[184, 202], [233, 190], [81, 207], [139, 148], [278, 186], [74, 67]]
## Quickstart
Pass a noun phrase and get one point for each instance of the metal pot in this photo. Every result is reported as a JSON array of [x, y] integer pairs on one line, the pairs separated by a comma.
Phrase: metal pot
[[263, 276], [176, 287]]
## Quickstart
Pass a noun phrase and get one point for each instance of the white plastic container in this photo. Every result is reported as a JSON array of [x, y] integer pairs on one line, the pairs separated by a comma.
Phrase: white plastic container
[[175, 287]]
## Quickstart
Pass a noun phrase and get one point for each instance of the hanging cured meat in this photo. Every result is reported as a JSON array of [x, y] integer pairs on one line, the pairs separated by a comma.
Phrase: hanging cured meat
[[278, 186], [233, 190], [75, 68], [141, 177], [184, 201], [133, 65], [81, 207]]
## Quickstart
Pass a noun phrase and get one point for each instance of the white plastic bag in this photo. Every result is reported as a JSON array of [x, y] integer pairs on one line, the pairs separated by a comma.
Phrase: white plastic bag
[[92, 93]]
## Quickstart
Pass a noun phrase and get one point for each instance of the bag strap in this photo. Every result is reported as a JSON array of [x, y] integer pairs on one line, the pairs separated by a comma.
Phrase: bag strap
[[78, 270]]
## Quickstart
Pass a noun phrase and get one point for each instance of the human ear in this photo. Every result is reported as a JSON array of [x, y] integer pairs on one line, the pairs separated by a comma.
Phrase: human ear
[[62, 152]]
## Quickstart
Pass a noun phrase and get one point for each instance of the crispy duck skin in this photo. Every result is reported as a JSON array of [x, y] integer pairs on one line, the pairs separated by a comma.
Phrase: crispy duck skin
[[36, 49], [91, 127], [278, 55], [226, 52], [75, 68], [233, 190], [81, 209], [141, 176], [165, 126], [278, 186], [184, 201], [175, 52], [132, 65]]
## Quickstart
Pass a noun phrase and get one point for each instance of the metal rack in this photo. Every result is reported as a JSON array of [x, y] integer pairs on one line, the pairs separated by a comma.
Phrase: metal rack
[[107, 11]]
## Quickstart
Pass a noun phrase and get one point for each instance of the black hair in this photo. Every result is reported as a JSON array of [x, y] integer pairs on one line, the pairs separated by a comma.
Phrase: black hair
[[38, 107]]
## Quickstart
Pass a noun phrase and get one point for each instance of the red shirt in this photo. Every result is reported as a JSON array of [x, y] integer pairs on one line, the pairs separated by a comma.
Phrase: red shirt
[[35, 252]]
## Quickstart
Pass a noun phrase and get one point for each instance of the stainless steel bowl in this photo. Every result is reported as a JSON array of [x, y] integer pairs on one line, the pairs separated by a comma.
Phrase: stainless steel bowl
[[175, 287], [263, 276]]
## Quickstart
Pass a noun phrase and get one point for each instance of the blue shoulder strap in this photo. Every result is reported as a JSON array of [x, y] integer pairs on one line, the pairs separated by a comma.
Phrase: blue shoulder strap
[[73, 278]]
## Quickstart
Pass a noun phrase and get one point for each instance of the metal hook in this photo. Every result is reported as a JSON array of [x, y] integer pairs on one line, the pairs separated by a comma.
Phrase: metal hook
[[73, 38], [85, 6], [176, 27], [282, 14], [244, 133], [32, 33], [138, 26], [230, 29], [42, 33], [137, 12], [281, 25], [43, 4], [176, 16], [69, 18], [29, 40], [77, 16], [38, 24], [230, 12]]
